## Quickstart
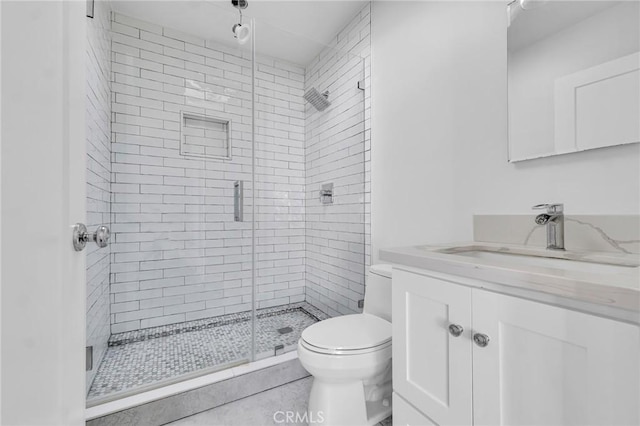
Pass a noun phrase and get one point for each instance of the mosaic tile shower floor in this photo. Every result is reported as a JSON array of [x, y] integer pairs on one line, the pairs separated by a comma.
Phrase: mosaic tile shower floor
[[147, 356]]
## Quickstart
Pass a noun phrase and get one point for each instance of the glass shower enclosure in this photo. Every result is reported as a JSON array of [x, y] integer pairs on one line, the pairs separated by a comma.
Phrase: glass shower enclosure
[[238, 210]]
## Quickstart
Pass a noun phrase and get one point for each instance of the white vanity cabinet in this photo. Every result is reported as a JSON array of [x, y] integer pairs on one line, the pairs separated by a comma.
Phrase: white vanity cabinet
[[542, 364], [431, 368]]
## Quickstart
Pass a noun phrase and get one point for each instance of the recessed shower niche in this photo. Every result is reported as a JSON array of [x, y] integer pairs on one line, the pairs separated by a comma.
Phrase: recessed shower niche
[[205, 136]]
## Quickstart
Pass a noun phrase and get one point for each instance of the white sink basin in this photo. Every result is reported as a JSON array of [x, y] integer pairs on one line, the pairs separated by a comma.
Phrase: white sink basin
[[546, 259]]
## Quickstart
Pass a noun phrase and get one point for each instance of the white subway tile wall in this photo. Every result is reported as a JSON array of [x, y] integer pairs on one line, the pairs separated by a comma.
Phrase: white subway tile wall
[[337, 150], [98, 119], [280, 180], [177, 253]]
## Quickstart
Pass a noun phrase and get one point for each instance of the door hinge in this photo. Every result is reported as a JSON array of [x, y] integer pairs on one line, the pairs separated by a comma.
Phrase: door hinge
[[89, 358]]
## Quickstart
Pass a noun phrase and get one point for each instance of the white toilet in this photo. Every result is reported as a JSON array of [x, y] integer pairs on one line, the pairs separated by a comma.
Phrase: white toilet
[[350, 360]]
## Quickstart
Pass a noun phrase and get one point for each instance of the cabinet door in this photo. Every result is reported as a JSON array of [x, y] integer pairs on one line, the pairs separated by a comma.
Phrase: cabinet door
[[545, 365], [406, 415], [431, 367]]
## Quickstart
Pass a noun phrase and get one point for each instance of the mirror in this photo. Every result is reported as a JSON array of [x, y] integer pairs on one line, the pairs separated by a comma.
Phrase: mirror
[[574, 76]]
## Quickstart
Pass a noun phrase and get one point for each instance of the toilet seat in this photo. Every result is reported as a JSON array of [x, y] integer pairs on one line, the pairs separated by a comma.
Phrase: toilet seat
[[348, 335], [330, 351]]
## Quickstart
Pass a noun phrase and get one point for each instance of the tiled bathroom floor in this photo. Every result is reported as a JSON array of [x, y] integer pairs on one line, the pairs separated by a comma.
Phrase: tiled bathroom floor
[[147, 356], [260, 409], [256, 410]]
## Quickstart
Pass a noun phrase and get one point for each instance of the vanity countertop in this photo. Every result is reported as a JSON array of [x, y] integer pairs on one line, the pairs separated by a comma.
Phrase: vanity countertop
[[612, 294]]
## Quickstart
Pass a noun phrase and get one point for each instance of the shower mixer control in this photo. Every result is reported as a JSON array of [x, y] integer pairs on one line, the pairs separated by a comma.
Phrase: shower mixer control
[[326, 193], [81, 236]]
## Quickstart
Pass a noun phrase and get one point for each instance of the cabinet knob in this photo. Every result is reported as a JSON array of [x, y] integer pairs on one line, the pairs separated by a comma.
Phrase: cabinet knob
[[455, 330], [481, 340]]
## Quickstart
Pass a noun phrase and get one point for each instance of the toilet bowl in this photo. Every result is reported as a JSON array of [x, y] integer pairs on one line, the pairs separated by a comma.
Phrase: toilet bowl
[[350, 360]]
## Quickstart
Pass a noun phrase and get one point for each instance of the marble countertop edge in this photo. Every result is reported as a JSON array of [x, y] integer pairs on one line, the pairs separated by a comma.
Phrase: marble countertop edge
[[621, 291]]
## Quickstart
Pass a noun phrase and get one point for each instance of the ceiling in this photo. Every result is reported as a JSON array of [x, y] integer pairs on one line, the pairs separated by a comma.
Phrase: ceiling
[[535, 24], [295, 31]]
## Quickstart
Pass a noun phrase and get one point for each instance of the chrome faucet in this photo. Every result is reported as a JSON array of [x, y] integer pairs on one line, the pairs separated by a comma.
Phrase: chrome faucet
[[554, 220]]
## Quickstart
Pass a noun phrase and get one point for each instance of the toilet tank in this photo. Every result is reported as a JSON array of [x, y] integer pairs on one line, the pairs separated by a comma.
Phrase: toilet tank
[[377, 294]]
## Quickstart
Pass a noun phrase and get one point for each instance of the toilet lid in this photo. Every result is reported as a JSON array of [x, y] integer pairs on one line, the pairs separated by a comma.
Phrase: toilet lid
[[349, 332]]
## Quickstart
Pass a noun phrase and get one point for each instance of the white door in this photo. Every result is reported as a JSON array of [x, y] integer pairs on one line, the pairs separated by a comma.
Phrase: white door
[[545, 365], [431, 367], [42, 195]]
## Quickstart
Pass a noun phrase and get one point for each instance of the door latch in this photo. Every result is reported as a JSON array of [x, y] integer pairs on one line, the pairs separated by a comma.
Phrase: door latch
[[81, 236]]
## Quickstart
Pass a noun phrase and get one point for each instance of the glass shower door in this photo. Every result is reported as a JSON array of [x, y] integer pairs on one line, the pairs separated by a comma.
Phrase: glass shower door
[[170, 170], [310, 186]]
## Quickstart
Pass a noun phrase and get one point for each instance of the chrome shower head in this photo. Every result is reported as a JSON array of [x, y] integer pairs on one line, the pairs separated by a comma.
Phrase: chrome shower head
[[320, 101]]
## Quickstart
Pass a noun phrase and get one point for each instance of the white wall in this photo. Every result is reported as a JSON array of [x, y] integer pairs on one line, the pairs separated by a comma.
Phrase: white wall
[[415, 117], [439, 132], [1, 117]]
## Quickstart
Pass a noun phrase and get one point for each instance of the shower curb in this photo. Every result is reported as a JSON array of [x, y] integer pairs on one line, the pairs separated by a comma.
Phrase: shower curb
[[188, 403]]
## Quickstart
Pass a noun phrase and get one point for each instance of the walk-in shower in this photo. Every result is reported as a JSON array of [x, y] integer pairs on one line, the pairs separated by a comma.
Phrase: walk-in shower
[[178, 121]]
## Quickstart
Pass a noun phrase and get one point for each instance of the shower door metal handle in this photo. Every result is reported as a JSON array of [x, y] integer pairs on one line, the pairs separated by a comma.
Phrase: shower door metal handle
[[238, 200], [81, 236]]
